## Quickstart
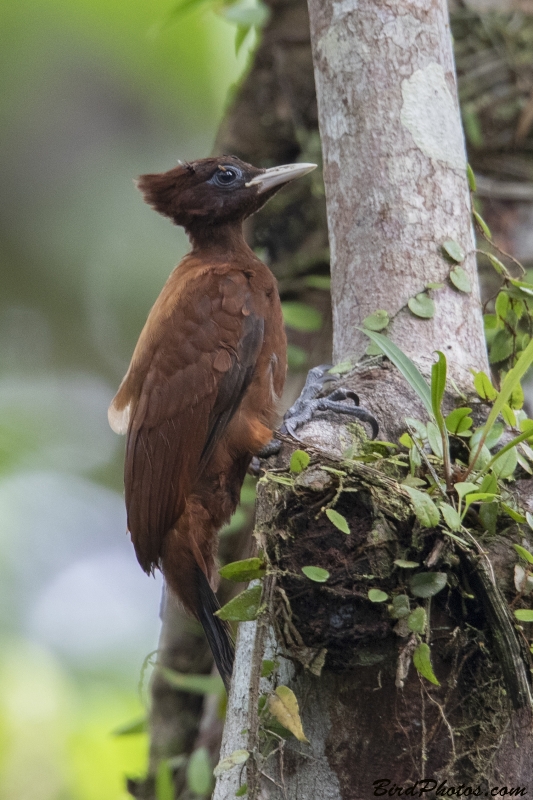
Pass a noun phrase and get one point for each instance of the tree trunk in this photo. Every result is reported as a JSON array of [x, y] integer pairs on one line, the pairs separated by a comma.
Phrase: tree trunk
[[396, 189]]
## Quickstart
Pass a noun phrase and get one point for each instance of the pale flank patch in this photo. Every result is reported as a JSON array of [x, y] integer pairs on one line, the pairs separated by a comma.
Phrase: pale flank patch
[[119, 420]]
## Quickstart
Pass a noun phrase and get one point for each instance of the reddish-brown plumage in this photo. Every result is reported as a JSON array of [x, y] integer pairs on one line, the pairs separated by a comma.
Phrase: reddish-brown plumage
[[199, 398]]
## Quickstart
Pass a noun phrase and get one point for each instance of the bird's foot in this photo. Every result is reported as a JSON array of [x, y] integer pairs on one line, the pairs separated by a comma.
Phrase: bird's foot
[[272, 448], [308, 403]]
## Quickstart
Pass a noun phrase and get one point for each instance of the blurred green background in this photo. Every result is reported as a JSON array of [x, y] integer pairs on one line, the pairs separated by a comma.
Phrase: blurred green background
[[93, 93]]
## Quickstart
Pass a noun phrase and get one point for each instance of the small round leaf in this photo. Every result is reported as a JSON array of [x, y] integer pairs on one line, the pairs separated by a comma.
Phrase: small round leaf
[[454, 251], [428, 584], [316, 574], [422, 306], [377, 596]]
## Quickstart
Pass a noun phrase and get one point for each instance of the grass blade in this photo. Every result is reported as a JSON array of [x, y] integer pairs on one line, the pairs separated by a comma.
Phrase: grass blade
[[404, 364]]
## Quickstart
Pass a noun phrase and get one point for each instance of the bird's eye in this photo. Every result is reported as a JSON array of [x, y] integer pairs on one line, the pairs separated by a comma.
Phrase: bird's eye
[[226, 176]]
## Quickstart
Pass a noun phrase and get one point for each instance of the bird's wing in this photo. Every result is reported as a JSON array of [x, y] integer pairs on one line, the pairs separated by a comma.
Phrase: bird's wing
[[202, 361]]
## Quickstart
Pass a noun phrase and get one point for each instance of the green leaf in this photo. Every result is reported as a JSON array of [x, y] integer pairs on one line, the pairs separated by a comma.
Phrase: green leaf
[[510, 446], [406, 440], [297, 357], [242, 790], [377, 321], [502, 304], [484, 387], [246, 570], [241, 13], [195, 684], [482, 224], [471, 178], [131, 728], [435, 439], [479, 459], [454, 251], [417, 620], [164, 785], [497, 264], [420, 428], [407, 368], [460, 280], [426, 511], [422, 306], [316, 574], [464, 488], [478, 497], [301, 317], [511, 512], [516, 401], [489, 484], [501, 347], [504, 466], [433, 285], [525, 288], [240, 36], [438, 384], [523, 553], [422, 662], [428, 584], [235, 759], [488, 514], [458, 421], [400, 562], [509, 415], [400, 606], [524, 615], [318, 282], [183, 8], [299, 461], [451, 517], [377, 596], [342, 368], [242, 608], [373, 349], [338, 520], [199, 772], [267, 667]]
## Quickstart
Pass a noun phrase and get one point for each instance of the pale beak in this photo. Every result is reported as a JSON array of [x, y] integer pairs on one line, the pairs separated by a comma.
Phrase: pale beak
[[278, 175]]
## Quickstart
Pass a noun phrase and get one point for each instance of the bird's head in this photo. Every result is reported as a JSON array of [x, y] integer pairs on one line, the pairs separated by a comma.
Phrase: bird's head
[[215, 191]]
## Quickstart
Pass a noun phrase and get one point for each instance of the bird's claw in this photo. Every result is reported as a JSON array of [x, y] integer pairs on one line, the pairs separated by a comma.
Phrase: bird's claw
[[308, 404]]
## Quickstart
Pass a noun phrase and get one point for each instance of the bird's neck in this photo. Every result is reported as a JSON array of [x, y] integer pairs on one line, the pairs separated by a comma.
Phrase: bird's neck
[[227, 238]]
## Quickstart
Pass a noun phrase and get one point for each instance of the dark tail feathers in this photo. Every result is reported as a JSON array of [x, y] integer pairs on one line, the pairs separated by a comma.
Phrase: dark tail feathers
[[217, 631]]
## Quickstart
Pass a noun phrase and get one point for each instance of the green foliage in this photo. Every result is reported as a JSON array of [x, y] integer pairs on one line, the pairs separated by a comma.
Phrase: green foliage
[[377, 596], [316, 574], [301, 317], [460, 280], [422, 662], [196, 684], [422, 305], [164, 786], [453, 251], [427, 584], [376, 321], [299, 461], [404, 364], [246, 570], [338, 520], [199, 772], [244, 607]]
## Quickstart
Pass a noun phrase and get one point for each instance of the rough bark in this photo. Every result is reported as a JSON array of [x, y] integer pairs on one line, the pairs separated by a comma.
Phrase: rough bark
[[396, 189], [388, 108]]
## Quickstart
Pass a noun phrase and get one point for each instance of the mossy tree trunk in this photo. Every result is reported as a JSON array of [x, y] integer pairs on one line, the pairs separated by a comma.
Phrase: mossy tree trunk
[[396, 186]]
